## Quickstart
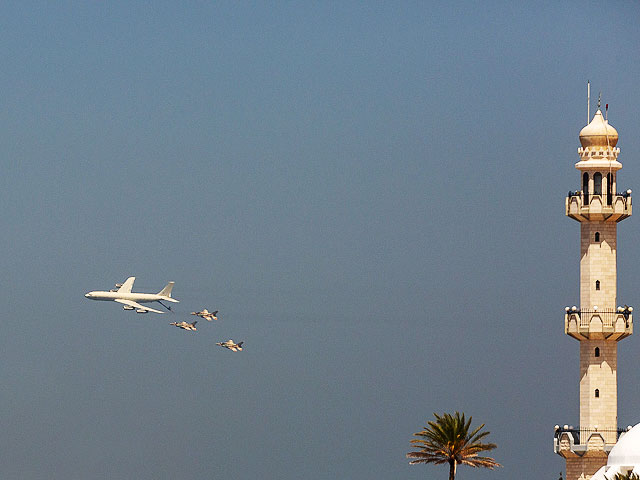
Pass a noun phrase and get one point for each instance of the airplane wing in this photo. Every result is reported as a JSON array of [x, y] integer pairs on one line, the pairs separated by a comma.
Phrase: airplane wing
[[127, 285], [133, 304]]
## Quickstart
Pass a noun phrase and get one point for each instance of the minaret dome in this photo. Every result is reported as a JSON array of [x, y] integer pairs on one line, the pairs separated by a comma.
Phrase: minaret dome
[[598, 133]]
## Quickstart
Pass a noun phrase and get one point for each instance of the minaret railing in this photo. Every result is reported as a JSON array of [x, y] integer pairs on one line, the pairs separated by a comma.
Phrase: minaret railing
[[601, 206], [581, 435], [608, 316], [570, 440], [602, 323], [624, 196]]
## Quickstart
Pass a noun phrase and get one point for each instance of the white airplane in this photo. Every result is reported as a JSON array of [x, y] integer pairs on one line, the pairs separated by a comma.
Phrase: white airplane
[[132, 301], [185, 325], [206, 314], [234, 347]]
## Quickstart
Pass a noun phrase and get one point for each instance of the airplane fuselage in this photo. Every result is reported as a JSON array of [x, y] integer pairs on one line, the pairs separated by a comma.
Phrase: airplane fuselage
[[134, 297]]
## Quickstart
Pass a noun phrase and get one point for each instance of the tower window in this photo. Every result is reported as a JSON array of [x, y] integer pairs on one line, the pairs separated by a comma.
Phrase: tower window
[[597, 184], [597, 393], [597, 236], [597, 351], [597, 284], [585, 187]]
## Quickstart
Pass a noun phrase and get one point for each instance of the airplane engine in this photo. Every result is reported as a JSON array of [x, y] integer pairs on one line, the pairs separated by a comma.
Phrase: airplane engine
[[127, 307], [142, 311]]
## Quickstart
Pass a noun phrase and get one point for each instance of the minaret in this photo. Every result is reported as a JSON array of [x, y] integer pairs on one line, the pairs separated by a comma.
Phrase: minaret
[[599, 323]]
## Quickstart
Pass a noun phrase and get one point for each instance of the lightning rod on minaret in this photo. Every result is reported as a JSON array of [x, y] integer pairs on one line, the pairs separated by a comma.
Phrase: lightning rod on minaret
[[588, 100]]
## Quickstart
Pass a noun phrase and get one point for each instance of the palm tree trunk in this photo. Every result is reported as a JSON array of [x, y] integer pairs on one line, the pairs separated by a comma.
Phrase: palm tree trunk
[[452, 469]]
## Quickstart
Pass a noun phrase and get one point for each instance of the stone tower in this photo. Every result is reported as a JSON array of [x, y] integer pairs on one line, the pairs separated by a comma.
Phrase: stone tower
[[599, 323]]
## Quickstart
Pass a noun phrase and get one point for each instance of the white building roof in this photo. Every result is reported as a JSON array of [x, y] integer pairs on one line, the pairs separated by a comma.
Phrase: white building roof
[[624, 456]]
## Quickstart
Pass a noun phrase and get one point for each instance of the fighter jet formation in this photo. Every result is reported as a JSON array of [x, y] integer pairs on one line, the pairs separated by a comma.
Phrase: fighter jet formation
[[121, 293]]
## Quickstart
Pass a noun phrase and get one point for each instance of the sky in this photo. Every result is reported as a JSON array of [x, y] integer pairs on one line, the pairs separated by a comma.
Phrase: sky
[[370, 193]]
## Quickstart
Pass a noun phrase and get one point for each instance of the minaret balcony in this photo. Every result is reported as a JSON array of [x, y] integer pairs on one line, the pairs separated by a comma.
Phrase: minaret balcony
[[570, 441], [602, 207], [598, 324]]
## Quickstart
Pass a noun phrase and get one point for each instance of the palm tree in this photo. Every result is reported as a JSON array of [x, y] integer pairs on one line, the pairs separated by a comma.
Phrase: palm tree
[[628, 476], [448, 440]]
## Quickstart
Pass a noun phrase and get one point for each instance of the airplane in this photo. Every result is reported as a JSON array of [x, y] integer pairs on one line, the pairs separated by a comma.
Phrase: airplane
[[207, 315], [185, 325], [132, 301], [234, 347]]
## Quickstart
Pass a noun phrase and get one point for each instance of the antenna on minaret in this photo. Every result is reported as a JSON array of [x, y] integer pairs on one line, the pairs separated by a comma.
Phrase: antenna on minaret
[[606, 112], [599, 96], [588, 100]]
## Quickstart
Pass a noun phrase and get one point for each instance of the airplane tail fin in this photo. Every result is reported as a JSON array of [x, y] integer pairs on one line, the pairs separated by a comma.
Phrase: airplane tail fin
[[240, 345], [194, 323], [166, 292]]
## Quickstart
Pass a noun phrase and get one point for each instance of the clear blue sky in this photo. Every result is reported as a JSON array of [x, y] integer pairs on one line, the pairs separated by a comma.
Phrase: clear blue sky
[[371, 193]]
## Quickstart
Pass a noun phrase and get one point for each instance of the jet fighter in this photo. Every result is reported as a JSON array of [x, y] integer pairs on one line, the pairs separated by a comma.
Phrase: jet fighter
[[185, 325], [206, 314], [234, 347]]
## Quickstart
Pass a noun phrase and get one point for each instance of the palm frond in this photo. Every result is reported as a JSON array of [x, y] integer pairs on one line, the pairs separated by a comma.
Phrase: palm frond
[[629, 476]]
